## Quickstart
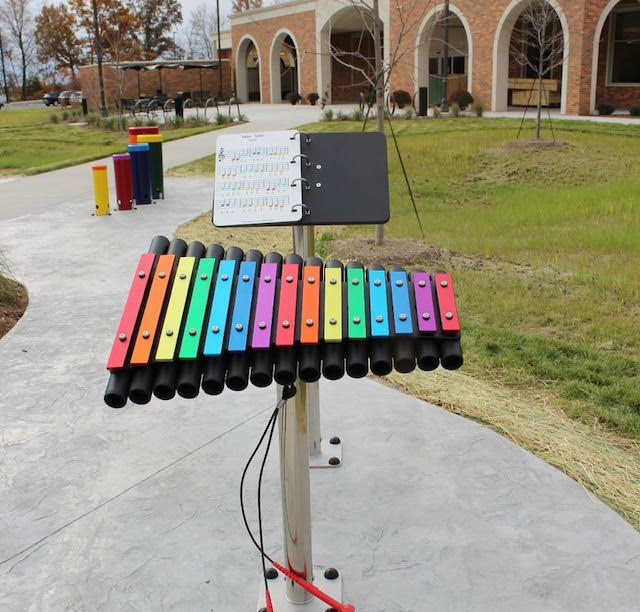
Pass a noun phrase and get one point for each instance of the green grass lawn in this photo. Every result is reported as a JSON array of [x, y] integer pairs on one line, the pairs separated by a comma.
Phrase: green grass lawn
[[30, 143], [544, 246]]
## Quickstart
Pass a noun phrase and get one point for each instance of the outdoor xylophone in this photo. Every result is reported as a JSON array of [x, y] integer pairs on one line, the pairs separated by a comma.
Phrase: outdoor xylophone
[[197, 317]]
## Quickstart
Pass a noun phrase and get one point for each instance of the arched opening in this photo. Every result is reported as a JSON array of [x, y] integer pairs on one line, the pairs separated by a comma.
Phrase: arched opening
[[615, 75], [348, 56], [431, 63], [248, 71], [516, 55], [284, 68]]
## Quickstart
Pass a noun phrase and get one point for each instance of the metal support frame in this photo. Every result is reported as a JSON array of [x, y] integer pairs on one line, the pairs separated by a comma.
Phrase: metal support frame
[[322, 453], [300, 446]]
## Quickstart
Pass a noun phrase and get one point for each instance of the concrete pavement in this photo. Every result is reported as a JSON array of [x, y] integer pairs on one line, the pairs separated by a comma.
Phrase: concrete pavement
[[137, 509]]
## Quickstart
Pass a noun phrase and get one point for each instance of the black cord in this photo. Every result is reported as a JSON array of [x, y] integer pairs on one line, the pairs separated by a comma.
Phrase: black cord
[[406, 178], [264, 461], [270, 423]]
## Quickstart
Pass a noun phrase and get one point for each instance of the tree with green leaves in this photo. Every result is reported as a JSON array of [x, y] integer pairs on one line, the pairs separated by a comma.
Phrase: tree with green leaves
[[156, 19], [57, 38]]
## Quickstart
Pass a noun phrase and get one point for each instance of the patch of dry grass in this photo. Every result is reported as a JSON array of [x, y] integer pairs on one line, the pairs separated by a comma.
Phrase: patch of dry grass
[[264, 239], [603, 463]]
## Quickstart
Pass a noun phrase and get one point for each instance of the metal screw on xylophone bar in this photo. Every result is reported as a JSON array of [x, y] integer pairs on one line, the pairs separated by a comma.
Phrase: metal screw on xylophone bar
[[322, 452]]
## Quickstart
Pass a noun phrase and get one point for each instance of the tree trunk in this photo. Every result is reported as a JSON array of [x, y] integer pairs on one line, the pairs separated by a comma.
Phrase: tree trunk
[[23, 61], [540, 69], [379, 76], [96, 33]]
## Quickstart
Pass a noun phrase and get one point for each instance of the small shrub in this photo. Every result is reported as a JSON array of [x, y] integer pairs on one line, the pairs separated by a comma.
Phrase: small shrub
[[342, 116], [454, 109], [65, 115], [312, 98], [150, 122], [175, 122], [436, 112], [401, 98], [221, 119], [327, 115], [408, 113], [109, 123], [634, 111], [606, 108], [357, 115], [478, 109], [138, 122], [461, 98], [93, 120], [54, 117], [294, 97]]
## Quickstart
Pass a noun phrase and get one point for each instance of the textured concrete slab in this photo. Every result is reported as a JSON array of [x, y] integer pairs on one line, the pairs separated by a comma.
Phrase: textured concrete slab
[[138, 509]]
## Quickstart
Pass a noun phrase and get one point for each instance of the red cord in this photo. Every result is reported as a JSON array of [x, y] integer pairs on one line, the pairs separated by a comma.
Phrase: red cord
[[314, 590], [268, 598]]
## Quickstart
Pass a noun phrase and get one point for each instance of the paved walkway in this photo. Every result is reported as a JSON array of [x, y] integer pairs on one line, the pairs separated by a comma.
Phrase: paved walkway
[[137, 509]]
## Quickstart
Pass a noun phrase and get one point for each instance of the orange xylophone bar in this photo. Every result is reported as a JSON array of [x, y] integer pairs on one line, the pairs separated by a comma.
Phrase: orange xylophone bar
[[192, 321]]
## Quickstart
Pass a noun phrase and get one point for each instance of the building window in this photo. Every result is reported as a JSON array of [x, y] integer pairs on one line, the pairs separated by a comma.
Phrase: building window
[[456, 65], [625, 47]]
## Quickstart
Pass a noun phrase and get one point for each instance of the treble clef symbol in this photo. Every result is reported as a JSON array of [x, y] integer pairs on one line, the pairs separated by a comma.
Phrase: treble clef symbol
[[221, 154]]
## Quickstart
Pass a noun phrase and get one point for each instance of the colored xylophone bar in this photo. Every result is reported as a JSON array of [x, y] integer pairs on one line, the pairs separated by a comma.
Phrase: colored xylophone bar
[[205, 318]]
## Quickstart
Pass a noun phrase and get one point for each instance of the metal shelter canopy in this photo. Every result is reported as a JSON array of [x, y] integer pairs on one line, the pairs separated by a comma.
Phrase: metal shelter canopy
[[170, 65]]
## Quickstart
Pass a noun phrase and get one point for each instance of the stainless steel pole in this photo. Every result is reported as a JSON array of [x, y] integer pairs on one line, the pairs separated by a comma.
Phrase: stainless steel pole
[[305, 246], [296, 493], [294, 463]]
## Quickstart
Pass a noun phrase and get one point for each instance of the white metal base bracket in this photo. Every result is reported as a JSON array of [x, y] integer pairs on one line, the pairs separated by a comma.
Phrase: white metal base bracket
[[278, 592], [330, 455]]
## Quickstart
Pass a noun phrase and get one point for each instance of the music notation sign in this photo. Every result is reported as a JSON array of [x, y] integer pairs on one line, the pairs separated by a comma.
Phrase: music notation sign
[[256, 179]]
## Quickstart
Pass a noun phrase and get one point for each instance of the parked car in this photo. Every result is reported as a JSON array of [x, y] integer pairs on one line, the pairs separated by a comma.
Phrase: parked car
[[76, 97], [51, 98], [64, 99]]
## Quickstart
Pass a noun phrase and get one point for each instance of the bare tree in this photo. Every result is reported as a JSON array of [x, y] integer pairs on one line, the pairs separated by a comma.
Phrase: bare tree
[[240, 6], [202, 25], [17, 19], [537, 43], [375, 73]]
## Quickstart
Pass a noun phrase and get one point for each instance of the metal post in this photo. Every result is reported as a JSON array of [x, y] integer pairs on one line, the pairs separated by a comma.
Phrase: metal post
[[220, 95], [296, 494], [304, 245], [444, 104]]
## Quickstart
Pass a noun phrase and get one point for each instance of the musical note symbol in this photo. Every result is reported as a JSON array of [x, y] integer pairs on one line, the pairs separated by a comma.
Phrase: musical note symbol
[[221, 154]]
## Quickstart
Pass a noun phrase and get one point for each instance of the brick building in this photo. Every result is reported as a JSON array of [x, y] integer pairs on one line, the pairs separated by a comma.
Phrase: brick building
[[325, 46]]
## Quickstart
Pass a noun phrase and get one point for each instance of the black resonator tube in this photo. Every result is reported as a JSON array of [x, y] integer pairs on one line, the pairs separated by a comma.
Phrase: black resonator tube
[[143, 378], [309, 368], [262, 359], [190, 372], [164, 387], [357, 354], [451, 354], [286, 364], [333, 352], [214, 368], [238, 363], [119, 383], [380, 348]]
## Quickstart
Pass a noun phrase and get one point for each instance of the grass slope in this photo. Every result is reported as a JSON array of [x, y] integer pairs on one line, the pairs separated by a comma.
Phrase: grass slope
[[30, 143], [544, 247]]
